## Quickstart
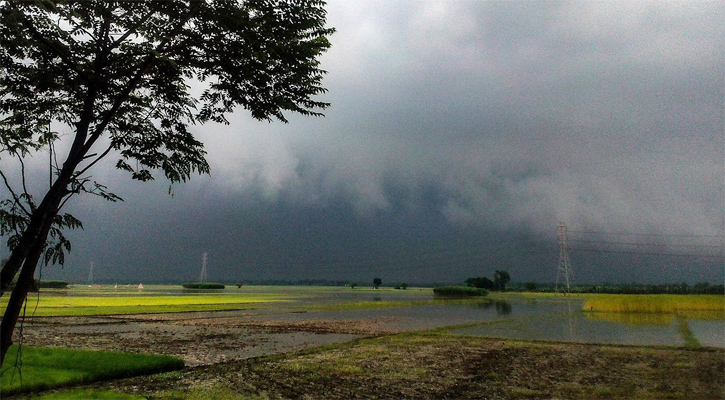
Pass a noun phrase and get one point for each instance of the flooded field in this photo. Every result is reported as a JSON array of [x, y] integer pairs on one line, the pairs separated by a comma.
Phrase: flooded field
[[294, 340], [294, 318]]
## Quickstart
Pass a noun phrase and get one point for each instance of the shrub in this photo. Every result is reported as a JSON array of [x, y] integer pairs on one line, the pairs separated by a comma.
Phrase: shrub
[[459, 291], [53, 284], [203, 285]]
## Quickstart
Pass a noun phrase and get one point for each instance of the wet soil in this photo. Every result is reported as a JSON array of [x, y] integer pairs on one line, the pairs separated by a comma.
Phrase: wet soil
[[200, 338], [238, 354]]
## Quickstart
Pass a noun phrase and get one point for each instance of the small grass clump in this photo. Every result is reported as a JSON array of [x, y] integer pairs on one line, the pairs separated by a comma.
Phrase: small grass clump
[[203, 285], [459, 291], [42, 368]]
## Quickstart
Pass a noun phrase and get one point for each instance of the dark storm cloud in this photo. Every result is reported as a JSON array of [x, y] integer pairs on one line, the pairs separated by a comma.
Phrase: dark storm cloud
[[460, 134]]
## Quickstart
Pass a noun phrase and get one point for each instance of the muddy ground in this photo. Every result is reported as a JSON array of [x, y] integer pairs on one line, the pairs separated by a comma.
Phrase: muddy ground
[[201, 338]]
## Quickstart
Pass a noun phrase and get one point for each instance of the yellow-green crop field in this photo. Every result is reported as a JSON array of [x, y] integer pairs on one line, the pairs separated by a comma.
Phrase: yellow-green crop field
[[689, 306], [109, 301]]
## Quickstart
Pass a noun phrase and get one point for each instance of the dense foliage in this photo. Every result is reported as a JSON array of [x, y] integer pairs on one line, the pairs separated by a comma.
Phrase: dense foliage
[[203, 285], [51, 284], [500, 280], [459, 291]]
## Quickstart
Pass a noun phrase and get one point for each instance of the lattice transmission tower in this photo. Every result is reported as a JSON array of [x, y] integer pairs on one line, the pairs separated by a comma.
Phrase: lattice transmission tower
[[202, 276], [564, 271]]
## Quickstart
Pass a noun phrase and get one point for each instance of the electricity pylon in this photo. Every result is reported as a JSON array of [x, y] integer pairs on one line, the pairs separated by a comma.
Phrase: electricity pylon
[[202, 277], [90, 275], [564, 270]]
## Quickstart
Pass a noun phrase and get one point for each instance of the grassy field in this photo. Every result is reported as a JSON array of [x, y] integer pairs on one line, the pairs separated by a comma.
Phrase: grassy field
[[44, 368]]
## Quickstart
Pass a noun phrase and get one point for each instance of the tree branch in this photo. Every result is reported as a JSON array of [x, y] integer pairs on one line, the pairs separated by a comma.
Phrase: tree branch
[[132, 84], [12, 193]]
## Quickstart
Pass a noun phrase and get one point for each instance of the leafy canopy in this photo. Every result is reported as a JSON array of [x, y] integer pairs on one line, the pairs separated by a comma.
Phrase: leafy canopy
[[130, 79]]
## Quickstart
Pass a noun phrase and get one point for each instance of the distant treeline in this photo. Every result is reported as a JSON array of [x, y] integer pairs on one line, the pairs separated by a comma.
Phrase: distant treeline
[[629, 288], [297, 282]]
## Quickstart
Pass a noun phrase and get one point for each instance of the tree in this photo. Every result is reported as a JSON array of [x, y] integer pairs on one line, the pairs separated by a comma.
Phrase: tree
[[480, 282], [500, 279], [377, 282], [117, 75]]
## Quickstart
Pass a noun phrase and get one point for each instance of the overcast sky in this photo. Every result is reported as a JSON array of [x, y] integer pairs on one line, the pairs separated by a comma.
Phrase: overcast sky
[[460, 134]]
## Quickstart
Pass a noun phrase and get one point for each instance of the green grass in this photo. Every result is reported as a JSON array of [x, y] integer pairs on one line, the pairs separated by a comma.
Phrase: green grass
[[42, 368], [687, 335]]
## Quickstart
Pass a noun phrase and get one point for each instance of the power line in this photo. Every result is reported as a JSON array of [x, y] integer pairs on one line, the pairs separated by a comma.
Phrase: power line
[[648, 253], [647, 244], [646, 234]]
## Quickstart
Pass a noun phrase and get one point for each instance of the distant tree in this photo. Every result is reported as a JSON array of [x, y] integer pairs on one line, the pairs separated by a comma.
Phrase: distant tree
[[353, 285], [239, 285], [403, 286], [116, 77], [377, 282], [480, 282], [530, 286], [500, 279]]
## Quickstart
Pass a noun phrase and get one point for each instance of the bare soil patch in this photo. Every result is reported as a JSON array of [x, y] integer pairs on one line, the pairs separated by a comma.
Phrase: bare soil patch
[[199, 338], [427, 366]]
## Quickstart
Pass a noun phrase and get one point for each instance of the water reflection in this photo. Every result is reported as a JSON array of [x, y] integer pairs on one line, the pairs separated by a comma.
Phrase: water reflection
[[501, 307]]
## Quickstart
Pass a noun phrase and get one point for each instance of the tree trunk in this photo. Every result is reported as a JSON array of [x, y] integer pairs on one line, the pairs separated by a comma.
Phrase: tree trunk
[[22, 287], [27, 254]]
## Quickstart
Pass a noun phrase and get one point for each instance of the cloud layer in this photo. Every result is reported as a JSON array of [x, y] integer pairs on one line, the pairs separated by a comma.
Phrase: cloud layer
[[455, 126]]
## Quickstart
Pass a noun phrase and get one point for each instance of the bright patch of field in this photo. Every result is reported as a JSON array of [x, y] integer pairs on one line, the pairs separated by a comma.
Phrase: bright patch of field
[[42, 368], [55, 304], [82, 300], [707, 306]]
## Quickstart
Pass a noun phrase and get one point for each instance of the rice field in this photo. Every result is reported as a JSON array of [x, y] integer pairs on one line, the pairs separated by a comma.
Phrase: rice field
[[44, 368], [703, 306], [82, 301]]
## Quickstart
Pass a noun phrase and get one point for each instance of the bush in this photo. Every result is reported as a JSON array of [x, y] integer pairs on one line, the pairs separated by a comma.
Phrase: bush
[[203, 285], [52, 284], [459, 291]]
